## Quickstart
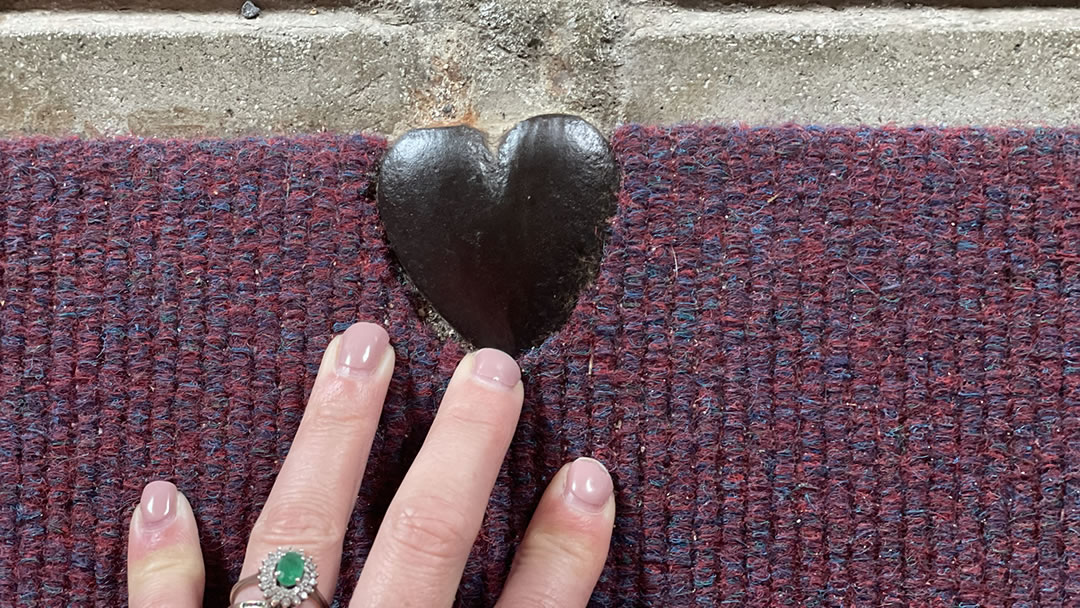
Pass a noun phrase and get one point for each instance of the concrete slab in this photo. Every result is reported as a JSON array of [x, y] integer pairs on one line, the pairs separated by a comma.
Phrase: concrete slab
[[926, 66], [189, 74], [416, 62], [156, 73]]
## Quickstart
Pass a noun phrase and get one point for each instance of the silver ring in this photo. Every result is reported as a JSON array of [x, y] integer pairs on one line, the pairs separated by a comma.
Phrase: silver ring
[[286, 578]]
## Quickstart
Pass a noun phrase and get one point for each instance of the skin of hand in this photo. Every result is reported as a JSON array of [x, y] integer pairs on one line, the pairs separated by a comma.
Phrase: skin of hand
[[430, 526]]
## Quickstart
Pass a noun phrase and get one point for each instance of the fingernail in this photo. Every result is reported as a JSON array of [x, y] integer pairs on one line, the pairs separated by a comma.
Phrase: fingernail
[[362, 348], [496, 366], [158, 503], [588, 485]]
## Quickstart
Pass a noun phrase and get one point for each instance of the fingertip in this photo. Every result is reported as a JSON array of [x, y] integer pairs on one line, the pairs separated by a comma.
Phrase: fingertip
[[588, 486], [162, 518], [496, 368], [360, 352], [362, 349], [158, 503], [164, 557], [567, 540], [579, 504]]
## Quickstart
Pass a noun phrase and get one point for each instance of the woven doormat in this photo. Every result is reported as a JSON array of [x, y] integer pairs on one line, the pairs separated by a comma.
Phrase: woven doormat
[[827, 367]]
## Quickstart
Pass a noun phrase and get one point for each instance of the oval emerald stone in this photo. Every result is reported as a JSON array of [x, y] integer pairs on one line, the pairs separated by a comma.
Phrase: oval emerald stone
[[290, 569]]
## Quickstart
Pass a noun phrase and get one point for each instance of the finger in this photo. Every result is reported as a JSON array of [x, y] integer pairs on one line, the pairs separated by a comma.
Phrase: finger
[[165, 565], [421, 548], [314, 494], [566, 545]]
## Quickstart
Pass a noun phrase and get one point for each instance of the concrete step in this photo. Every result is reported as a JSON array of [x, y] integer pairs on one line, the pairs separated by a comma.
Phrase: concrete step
[[396, 65]]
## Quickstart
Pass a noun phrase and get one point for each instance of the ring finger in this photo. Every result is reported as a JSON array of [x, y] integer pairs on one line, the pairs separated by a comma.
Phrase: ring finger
[[314, 494]]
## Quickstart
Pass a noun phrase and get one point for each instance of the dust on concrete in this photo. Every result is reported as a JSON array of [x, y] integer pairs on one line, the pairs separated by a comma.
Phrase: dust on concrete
[[193, 75], [387, 67], [910, 66], [177, 120], [391, 65], [494, 63], [23, 109]]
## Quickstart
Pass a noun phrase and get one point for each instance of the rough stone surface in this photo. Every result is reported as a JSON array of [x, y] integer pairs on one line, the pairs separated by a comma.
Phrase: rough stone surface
[[249, 10], [396, 64], [340, 70], [179, 75], [854, 66], [711, 5]]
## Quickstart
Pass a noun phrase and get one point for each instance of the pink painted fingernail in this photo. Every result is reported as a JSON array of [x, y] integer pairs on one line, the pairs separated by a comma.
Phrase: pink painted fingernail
[[588, 485], [158, 504], [362, 348], [497, 367]]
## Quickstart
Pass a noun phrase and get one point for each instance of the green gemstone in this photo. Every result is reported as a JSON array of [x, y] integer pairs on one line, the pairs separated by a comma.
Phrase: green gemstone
[[290, 569]]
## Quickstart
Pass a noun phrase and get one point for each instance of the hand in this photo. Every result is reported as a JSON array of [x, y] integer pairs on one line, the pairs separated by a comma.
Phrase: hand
[[430, 526]]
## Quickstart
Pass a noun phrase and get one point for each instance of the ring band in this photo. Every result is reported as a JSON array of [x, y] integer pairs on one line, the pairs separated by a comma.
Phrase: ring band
[[286, 578]]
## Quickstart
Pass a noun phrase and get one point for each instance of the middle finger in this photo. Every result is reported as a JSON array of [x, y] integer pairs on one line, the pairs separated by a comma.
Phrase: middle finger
[[423, 543]]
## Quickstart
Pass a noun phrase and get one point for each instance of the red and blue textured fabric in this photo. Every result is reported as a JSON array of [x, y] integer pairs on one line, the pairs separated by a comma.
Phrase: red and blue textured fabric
[[827, 367]]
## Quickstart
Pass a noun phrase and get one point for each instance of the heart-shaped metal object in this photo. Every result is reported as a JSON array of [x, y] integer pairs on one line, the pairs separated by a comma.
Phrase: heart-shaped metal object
[[500, 244]]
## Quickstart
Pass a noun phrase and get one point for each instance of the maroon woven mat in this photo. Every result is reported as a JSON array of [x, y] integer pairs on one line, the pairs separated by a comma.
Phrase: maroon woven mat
[[827, 367]]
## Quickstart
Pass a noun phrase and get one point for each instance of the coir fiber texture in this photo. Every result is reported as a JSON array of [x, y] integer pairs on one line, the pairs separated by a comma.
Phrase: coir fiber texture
[[827, 367]]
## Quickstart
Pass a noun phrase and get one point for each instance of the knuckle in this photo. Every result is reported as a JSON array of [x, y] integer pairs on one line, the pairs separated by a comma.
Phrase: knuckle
[[290, 520], [430, 531], [564, 551], [334, 410], [477, 422], [543, 597], [167, 566], [157, 578]]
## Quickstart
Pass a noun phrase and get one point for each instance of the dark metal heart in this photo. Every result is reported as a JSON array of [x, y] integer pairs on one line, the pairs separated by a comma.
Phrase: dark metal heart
[[500, 245]]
